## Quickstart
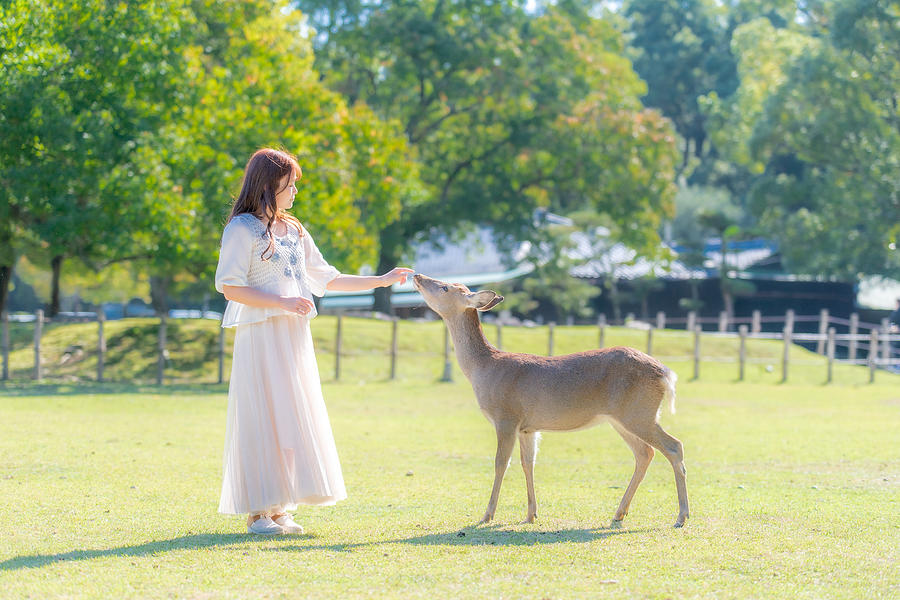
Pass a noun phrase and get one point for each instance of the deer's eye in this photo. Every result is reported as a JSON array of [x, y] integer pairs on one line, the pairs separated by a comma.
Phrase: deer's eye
[[444, 288]]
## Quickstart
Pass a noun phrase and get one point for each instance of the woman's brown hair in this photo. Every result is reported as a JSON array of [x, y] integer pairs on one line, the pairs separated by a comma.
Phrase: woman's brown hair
[[262, 181]]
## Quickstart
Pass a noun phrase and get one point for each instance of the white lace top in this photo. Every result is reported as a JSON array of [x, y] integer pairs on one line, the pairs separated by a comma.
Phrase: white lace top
[[295, 268]]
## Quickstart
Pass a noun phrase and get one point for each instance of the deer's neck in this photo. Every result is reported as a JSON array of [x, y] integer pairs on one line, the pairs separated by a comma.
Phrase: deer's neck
[[468, 338]]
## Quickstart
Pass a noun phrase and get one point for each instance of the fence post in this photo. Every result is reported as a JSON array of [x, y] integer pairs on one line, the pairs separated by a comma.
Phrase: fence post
[[854, 330], [394, 325], [550, 328], [650, 341], [742, 354], [697, 331], [823, 330], [337, 349], [829, 349], [221, 354], [499, 335], [660, 320], [873, 354], [788, 333], [5, 325], [601, 325], [886, 342], [161, 360], [756, 325], [448, 367], [38, 330], [692, 320], [723, 321], [101, 344]]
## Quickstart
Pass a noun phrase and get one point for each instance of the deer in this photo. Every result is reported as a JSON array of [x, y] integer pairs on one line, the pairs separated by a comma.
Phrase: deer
[[525, 394]]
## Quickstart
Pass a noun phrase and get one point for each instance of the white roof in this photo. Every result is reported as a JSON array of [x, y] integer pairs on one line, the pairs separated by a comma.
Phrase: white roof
[[473, 261]]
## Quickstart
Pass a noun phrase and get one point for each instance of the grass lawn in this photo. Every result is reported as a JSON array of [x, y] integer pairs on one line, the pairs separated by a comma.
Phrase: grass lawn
[[111, 491]]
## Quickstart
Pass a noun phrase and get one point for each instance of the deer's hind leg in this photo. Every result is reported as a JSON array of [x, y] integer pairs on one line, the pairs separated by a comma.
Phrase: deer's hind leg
[[673, 450], [643, 454]]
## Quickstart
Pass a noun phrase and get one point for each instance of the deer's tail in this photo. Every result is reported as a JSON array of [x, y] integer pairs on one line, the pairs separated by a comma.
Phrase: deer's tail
[[671, 377]]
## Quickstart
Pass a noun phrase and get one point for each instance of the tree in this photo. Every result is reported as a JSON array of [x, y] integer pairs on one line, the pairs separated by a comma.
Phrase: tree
[[680, 49], [127, 126], [826, 140], [550, 288], [250, 83], [508, 111], [79, 86], [703, 213]]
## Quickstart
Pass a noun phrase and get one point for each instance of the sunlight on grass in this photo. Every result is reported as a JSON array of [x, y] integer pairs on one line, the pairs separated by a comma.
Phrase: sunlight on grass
[[111, 491]]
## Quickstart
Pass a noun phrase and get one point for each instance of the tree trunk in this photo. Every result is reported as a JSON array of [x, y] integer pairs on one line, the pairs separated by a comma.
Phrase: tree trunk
[[159, 291], [383, 294], [7, 254], [6, 273], [614, 300], [390, 247], [56, 267], [727, 297]]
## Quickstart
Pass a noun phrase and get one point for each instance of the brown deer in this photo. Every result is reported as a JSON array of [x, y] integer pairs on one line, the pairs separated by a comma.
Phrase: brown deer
[[524, 394]]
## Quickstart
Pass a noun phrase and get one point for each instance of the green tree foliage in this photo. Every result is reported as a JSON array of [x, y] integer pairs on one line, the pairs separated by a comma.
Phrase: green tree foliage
[[250, 83], [508, 111], [816, 119], [78, 85], [126, 127], [680, 48]]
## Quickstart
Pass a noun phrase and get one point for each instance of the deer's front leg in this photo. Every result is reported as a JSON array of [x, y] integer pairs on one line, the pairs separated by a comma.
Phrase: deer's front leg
[[528, 450], [506, 439]]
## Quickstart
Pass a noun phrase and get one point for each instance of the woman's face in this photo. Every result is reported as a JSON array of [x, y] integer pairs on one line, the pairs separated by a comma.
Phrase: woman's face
[[284, 199]]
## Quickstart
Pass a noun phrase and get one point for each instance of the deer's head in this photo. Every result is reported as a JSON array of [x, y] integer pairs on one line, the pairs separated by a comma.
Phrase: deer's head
[[448, 299]]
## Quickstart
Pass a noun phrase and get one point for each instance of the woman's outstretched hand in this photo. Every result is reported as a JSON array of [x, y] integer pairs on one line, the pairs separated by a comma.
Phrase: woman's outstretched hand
[[396, 275]]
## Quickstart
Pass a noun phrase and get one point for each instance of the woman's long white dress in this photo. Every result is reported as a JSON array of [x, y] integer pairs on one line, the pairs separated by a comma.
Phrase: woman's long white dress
[[279, 448]]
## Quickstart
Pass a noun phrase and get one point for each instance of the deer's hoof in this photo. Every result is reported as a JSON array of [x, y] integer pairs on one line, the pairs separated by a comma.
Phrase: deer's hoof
[[528, 520], [485, 520], [616, 524]]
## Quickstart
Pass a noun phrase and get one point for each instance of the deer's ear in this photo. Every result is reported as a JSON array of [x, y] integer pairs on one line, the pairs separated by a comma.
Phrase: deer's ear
[[484, 300]]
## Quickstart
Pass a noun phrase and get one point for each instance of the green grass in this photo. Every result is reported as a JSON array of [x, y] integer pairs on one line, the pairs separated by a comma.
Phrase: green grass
[[111, 491], [193, 352]]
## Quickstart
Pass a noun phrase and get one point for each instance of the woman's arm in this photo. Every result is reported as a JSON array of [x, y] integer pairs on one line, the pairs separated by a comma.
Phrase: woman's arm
[[254, 297], [359, 283]]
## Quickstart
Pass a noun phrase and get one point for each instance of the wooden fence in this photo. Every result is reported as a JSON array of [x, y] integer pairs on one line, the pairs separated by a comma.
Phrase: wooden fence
[[872, 345]]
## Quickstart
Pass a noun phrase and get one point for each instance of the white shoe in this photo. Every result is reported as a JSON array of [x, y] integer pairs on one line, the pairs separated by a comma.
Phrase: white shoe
[[265, 526], [288, 524]]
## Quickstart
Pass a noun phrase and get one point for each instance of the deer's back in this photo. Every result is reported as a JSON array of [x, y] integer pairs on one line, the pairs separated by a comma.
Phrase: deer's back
[[569, 391]]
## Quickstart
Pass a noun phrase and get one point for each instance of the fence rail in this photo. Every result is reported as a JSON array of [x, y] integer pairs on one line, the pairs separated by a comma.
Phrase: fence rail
[[877, 348]]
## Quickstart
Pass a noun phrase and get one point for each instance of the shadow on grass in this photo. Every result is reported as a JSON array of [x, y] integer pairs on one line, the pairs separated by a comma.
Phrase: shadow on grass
[[472, 536], [187, 542], [478, 536], [26, 389]]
